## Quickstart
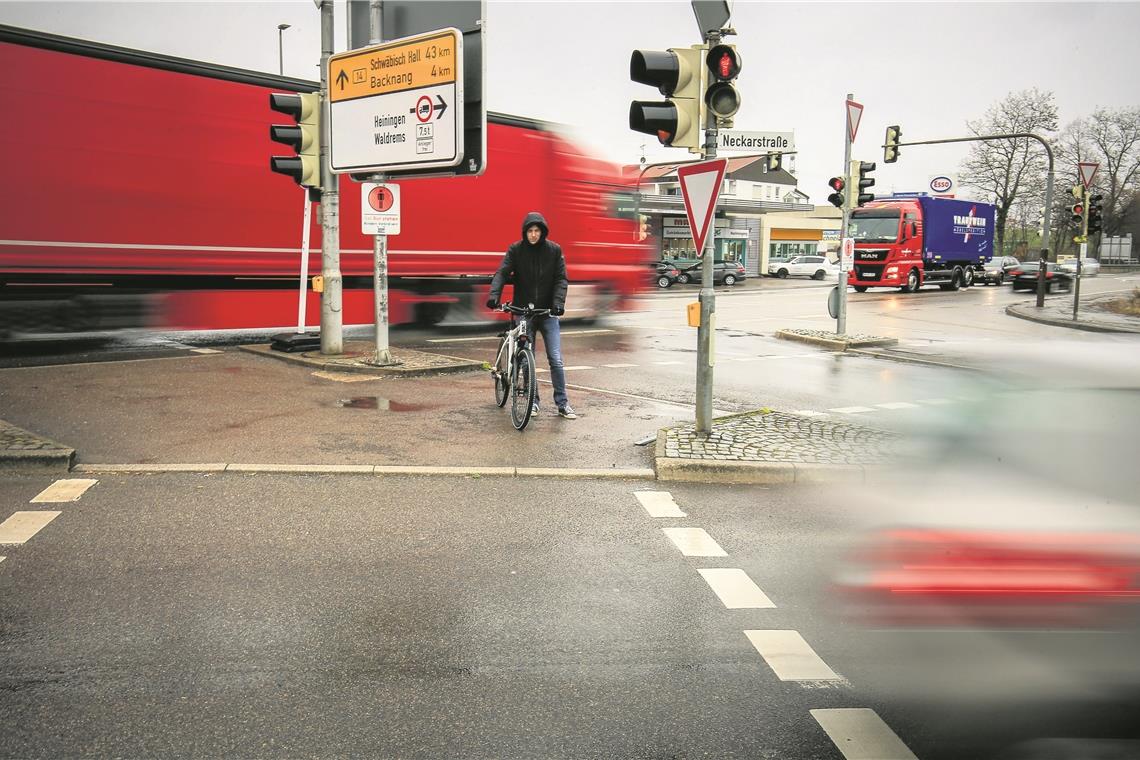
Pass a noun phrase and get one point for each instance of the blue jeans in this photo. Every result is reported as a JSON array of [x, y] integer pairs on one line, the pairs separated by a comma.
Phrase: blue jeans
[[552, 340]]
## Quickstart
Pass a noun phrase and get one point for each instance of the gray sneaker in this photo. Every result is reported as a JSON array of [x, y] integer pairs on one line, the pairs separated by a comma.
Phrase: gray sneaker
[[567, 412]]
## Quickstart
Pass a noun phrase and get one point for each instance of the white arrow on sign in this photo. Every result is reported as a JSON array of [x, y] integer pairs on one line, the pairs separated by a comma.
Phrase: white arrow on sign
[[854, 114], [700, 186], [1088, 170]]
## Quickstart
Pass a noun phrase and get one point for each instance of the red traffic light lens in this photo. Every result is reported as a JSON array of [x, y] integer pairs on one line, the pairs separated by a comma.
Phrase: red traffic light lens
[[1078, 210], [725, 66], [836, 183]]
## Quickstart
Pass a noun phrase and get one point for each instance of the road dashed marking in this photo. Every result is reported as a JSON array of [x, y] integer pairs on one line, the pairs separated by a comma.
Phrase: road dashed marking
[[790, 657], [694, 542], [659, 504], [897, 405], [809, 413], [618, 366], [204, 351], [21, 526], [68, 489], [851, 409], [736, 590], [860, 734]]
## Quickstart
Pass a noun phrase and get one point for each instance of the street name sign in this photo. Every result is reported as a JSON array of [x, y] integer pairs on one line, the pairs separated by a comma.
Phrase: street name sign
[[379, 209], [1088, 170], [395, 106], [700, 186], [753, 142]]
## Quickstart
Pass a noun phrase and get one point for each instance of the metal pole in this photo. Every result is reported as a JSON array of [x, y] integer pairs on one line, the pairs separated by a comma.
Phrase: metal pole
[[850, 198], [379, 242], [332, 333], [302, 297], [280, 49], [1082, 251], [706, 349]]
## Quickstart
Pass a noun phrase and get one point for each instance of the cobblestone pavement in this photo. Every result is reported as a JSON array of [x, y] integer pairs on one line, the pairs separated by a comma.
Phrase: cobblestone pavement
[[830, 339], [13, 438], [1091, 315], [767, 436], [358, 355]]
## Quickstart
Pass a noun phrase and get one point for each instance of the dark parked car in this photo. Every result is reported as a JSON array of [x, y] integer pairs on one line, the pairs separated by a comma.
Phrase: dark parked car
[[664, 273], [724, 273], [1025, 278], [997, 270]]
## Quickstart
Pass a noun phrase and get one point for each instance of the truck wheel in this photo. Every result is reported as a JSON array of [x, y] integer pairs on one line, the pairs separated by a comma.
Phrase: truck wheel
[[955, 280], [911, 282], [860, 288], [431, 314], [967, 277], [782, 274]]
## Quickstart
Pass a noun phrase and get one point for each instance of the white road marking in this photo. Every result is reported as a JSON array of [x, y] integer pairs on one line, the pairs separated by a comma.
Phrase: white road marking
[[580, 366], [897, 405], [204, 351], [540, 370], [659, 504], [345, 377], [69, 489], [851, 409], [3, 558], [694, 542], [809, 413], [665, 364], [618, 366], [21, 526], [735, 588], [790, 657], [860, 734]]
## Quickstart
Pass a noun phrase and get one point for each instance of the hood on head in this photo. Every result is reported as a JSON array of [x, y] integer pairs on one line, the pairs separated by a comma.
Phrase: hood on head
[[535, 218]]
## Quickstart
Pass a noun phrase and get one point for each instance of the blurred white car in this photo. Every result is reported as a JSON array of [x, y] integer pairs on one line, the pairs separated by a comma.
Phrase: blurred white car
[[1089, 267], [815, 267]]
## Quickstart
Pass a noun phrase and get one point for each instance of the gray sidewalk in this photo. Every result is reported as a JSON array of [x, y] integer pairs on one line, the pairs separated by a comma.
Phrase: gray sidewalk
[[22, 449], [1090, 316]]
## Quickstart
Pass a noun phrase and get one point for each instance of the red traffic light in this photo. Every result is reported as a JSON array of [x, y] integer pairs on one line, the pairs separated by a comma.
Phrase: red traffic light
[[724, 62], [1078, 209], [837, 184], [725, 65]]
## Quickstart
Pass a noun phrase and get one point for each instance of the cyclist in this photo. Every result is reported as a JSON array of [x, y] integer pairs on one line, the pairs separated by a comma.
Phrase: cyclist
[[538, 270]]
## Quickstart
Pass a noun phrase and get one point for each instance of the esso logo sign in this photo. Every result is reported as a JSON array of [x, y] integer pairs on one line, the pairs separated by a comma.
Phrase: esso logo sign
[[941, 184]]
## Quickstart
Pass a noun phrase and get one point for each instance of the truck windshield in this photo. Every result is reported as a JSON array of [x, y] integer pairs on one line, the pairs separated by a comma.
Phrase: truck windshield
[[875, 226]]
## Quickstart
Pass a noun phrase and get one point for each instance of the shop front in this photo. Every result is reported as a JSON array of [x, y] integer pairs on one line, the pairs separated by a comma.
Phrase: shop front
[[729, 244]]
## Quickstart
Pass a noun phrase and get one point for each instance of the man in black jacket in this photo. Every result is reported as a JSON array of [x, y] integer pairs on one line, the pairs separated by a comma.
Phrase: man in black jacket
[[538, 270]]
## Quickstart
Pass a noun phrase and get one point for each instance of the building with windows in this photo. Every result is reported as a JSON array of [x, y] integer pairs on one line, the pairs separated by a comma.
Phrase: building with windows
[[761, 215]]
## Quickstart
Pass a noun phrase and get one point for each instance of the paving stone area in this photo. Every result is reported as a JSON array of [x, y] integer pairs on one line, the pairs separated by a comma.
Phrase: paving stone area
[[14, 438], [768, 436], [21, 449], [1058, 311], [358, 356], [832, 340]]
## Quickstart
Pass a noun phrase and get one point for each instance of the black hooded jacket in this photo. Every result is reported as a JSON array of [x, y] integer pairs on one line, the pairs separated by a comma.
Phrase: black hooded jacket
[[537, 271]]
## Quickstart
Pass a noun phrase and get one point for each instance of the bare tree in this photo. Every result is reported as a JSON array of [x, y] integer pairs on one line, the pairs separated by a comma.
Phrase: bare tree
[[1005, 169], [1111, 138]]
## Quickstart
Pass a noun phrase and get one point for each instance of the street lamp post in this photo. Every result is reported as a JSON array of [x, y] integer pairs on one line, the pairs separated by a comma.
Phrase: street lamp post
[[280, 51]]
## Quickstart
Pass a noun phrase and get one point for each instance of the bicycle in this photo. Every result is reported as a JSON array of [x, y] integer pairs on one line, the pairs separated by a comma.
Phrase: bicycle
[[513, 370]]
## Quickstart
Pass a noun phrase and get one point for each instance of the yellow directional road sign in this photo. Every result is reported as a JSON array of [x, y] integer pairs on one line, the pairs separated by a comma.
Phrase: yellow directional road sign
[[396, 105]]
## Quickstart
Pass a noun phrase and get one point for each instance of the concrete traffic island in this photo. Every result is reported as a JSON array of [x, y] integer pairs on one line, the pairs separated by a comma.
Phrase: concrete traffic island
[[358, 357], [23, 450], [833, 341], [1092, 315], [766, 446]]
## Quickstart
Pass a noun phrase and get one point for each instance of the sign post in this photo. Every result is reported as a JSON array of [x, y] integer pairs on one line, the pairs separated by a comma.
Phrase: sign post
[[854, 113], [1087, 171]]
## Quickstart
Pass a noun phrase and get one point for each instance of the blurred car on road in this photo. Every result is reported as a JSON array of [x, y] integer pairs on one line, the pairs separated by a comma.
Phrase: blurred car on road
[[724, 273], [997, 270], [815, 267], [1025, 277], [1089, 267], [664, 273]]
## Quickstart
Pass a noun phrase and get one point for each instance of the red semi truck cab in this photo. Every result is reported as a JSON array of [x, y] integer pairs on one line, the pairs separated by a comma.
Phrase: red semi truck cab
[[912, 241]]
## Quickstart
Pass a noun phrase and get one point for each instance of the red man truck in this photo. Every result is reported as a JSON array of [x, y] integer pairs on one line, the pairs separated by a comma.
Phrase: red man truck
[[908, 242]]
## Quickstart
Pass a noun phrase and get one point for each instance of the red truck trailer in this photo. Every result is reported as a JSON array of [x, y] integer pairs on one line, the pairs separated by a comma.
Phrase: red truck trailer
[[138, 191], [910, 241]]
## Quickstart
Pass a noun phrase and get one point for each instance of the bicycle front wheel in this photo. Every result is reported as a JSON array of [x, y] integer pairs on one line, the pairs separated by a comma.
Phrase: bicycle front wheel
[[523, 389], [500, 373]]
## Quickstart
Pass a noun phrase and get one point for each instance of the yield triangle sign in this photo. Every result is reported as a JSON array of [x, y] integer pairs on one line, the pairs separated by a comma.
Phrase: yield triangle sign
[[854, 115], [1088, 170], [700, 186]]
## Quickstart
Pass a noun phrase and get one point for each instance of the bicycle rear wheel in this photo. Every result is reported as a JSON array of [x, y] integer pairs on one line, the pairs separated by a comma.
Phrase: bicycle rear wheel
[[523, 389], [500, 373]]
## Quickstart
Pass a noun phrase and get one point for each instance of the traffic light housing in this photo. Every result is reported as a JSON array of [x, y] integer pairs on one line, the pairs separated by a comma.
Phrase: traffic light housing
[[775, 162], [722, 99], [304, 137], [891, 144], [1078, 217], [1096, 214], [836, 198], [676, 73], [862, 170]]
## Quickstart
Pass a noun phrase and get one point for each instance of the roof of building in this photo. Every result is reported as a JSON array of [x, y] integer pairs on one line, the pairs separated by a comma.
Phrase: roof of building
[[750, 168]]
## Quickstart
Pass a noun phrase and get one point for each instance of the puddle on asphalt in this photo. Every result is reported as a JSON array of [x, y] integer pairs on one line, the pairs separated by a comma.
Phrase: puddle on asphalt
[[381, 404]]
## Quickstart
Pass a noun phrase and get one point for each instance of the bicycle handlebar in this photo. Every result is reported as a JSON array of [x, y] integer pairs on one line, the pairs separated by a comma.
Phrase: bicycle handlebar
[[521, 310]]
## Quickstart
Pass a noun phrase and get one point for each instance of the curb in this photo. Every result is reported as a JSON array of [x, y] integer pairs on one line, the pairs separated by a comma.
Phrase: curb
[[456, 364], [910, 360], [839, 345], [37, 460], [1015, 311], [352, 469], [764, 473]]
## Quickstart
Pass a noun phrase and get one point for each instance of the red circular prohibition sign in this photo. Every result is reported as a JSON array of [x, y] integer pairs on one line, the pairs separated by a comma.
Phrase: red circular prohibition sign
[[381, 199], [424, 114]]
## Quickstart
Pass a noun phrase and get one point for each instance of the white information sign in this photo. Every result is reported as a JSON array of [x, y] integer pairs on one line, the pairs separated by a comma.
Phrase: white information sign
[[755, 142], [847, 254], [396, 106], [379, 209]]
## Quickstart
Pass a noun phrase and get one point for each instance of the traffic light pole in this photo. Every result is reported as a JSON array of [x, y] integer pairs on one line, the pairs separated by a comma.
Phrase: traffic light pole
[[707, 298], [383, 355], [1082, 250], [850, 197], [332, 325]]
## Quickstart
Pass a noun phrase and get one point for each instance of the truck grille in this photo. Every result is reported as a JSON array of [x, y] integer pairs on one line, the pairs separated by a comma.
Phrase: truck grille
[[871, 255], [867, 273]]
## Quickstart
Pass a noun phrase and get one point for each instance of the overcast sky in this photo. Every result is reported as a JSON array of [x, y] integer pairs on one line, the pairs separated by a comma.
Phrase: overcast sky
[[925, 66]]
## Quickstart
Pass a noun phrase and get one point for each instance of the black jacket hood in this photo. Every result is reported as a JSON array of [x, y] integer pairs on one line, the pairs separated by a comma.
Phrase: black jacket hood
[[535, 218]]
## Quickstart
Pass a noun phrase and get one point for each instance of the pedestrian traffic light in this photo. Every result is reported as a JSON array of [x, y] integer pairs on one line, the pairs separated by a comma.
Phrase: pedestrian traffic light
[[722, 98], [676, 73], [775, 162], [305, 137], [837, 184], [1078, 217], [891, 145], [1096, 213], [862, 170]]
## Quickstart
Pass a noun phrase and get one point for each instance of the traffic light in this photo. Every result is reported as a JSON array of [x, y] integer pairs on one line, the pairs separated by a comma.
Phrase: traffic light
[[722, 98], [1096, 213], [837, 184], [775, 161], [676, 73], [1078, 218], [862, 170], [891, 145], [305, 137]]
